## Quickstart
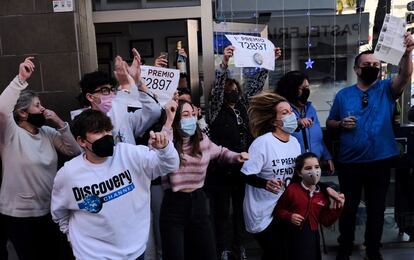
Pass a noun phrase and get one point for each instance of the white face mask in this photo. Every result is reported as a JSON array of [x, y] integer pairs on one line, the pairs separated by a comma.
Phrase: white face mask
[[290, 123], [312, 176]]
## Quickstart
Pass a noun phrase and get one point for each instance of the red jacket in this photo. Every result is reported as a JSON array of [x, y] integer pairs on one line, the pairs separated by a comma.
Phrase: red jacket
[[315, 209]]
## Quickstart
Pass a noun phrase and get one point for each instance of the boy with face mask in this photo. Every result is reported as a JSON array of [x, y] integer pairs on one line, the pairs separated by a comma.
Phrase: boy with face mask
[[99, 91], [301, 208], [363, 114], [101, 199]]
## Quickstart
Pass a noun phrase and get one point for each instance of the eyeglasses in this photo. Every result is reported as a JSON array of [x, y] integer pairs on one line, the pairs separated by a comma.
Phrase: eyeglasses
[[239, 118], [106, 90], [365, 100]]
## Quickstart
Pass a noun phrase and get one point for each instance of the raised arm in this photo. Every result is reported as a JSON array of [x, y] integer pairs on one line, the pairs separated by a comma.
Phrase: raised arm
[[144, 118], [217, 93], [405, 67], [9, 97], [164, 159], [255, 85]]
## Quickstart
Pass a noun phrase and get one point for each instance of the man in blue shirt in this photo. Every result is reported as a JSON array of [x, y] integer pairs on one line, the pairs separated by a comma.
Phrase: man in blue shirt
[[364, 113]]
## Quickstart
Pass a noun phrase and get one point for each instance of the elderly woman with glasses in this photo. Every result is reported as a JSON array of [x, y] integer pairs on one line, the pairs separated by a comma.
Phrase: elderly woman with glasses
[[229, 126]]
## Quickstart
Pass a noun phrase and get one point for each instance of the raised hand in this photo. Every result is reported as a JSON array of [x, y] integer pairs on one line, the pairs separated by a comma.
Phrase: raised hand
[[170, 110], [135, 69], [182, 52], [228, 52], [158, 140], [408, 42], [26, 69], [161, 61], [121, 73]]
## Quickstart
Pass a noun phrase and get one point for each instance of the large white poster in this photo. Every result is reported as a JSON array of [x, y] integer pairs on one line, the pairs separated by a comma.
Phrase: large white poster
[[252, 51], [163, 82]]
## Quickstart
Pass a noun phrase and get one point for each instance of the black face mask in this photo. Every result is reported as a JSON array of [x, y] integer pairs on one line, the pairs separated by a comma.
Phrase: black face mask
[[369, 74], [38, 120], [104, 146], [304, 97], [231, 97]]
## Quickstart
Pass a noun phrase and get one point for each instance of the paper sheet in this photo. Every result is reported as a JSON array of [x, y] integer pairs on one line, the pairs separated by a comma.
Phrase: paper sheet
[[252, 51], [390, 47]]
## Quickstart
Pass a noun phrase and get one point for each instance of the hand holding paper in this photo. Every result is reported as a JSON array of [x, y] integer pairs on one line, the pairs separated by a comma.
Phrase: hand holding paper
[[252, 51]]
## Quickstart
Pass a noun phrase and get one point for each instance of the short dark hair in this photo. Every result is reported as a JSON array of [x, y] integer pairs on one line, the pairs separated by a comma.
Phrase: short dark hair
[[90, 121], [91, 81], [356, 61], [288, 85], [300, 161], [184, 91]]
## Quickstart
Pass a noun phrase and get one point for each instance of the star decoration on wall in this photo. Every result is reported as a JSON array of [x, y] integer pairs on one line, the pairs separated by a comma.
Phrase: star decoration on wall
[[309, 63]]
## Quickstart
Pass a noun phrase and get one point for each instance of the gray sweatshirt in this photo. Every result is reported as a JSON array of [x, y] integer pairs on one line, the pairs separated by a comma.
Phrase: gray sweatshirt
[[29, 160]]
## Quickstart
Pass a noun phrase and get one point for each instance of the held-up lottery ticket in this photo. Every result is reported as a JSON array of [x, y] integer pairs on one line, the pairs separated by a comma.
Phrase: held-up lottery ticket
[[163, 82], [252, 51], [390, 47]]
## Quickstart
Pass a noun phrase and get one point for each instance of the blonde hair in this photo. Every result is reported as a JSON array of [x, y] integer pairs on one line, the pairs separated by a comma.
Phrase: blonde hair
[[262, 112]]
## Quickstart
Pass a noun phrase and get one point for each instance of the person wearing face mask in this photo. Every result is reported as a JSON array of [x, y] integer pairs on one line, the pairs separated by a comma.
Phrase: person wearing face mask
[[28, 151], [294, 86], [101, 198], [229, 127], [272, 157], [186, 230], [363, 114], [301, 208], [99, 91]]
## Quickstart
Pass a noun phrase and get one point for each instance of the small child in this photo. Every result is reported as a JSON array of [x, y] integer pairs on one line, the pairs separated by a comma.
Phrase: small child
[[301, 208]]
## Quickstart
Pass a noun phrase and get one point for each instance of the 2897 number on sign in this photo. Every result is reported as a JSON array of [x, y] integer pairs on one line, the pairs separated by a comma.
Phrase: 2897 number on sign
[[253, 46], [157, 83]]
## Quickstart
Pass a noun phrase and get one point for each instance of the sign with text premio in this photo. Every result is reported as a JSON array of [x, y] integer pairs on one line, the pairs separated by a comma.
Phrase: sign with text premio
[[162, 82], [252, 51]]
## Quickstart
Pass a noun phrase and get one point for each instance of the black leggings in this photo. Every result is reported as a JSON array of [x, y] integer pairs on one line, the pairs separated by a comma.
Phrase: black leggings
[[186, 230], [270, 242], [36, 238]]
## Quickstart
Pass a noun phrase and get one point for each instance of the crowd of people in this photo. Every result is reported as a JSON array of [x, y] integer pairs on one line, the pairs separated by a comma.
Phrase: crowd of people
[[194, 185]]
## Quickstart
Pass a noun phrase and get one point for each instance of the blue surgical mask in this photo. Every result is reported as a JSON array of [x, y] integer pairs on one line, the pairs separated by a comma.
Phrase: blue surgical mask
[[188, 126], [290, 123]]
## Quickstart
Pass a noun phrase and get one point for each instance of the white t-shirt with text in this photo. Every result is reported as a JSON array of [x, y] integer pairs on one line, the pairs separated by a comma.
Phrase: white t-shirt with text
[[270, 158]]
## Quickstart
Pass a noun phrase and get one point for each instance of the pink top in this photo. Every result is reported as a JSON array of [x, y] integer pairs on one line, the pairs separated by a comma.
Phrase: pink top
[[192, 171]]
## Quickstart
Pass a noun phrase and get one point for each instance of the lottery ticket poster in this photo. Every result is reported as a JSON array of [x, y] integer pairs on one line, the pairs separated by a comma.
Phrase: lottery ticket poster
[[163, 82], [390, 47], [252, 51]]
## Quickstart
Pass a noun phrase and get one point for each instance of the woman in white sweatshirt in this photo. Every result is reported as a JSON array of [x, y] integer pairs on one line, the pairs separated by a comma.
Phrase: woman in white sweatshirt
[[29, 154]]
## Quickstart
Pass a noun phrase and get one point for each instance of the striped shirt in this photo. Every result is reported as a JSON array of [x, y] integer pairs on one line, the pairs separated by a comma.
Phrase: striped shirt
[[192, 171]]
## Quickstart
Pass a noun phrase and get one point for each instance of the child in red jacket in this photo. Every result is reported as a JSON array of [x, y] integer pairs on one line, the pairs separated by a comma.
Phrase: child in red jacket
[[300, 210]]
